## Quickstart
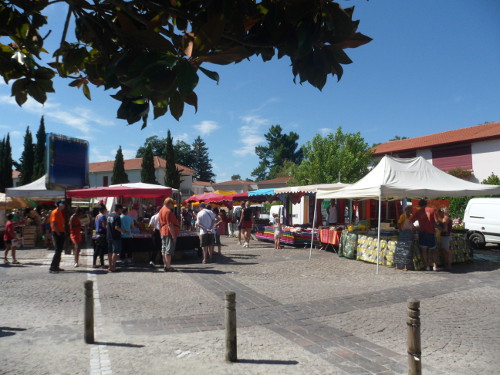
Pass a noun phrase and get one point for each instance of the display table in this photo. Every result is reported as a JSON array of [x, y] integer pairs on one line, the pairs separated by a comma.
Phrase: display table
[[291, 236], [143, 243], [365, 246]]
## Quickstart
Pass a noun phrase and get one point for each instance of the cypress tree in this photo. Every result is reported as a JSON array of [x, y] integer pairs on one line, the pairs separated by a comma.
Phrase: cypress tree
[[7, 163], [172, 174], [119, 176], [202, 162], [148, 167], [39, 166], [27, 159], [2, 166]]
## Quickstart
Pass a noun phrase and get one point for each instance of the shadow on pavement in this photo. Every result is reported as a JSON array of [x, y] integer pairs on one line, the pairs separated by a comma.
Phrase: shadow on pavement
[[267, 362], [118, 344], [10, 331]]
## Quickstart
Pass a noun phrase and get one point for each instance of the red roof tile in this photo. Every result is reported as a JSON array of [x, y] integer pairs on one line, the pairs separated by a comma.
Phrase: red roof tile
[[276, 180], [202, 183], [235, 182], [470, 134], [15, 174], [130, 164]]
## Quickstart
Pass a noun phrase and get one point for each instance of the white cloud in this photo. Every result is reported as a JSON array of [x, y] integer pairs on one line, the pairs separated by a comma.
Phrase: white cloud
[[16, 134], [79, 118], [251, 134], [206, 127], [181, 137], [128, 154], [325, 131]]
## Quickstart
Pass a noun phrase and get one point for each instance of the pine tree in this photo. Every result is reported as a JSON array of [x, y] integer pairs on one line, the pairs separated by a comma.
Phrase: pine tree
[[172, 173], [7, 164], [27, 159], [119, 176], [148, 167], [39, 166], [202, 162]]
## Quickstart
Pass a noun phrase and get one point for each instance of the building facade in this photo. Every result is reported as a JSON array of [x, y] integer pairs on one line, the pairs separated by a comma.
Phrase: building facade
[[100, 173], [475, 150]]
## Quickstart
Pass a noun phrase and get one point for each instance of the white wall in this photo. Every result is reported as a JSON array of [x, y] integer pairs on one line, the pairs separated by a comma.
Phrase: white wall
[[485, 159]]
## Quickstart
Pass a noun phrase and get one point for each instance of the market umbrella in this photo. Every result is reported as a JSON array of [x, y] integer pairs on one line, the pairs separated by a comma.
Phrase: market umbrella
[[9, 203]]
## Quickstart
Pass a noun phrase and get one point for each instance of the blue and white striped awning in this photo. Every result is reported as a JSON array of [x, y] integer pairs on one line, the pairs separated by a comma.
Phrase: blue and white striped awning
[[258, 192]]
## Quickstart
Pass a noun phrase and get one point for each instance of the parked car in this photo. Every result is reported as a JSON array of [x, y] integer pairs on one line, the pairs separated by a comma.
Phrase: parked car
[[482, 221]]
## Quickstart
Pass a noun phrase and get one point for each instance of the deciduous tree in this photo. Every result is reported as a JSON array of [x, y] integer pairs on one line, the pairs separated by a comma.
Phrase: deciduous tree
[[339, 153], [151, 52]]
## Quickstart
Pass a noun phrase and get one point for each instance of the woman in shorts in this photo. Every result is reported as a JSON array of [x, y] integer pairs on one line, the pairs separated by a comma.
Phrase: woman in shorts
[[75, 233], [9, 237]]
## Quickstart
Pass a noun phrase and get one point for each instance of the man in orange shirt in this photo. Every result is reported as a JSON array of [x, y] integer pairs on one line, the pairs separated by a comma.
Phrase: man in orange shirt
[[169, 230], [57, 224]]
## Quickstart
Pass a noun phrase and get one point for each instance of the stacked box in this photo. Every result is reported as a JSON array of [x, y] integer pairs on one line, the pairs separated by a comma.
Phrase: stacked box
[[29, 235]]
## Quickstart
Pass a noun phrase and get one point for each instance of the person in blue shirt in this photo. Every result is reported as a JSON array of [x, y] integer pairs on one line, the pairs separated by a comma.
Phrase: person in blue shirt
[[127, 223]]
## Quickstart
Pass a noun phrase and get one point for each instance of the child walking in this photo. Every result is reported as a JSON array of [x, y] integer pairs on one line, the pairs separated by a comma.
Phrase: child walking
[[278, 231]]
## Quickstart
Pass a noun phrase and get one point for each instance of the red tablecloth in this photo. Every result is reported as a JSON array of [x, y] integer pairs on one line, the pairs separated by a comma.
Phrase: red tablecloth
[[331, 237]]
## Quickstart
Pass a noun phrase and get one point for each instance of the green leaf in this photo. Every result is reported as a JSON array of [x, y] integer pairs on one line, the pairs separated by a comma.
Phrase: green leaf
[[37, 93], [192, 99], [176, 106], [21, 97], [159, 111], [186, 77], [210, 74], [86, 91], [45, 84]]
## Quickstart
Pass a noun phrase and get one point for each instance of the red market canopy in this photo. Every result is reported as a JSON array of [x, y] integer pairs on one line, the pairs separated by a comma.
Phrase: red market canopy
[[204, 197], [136, 190]]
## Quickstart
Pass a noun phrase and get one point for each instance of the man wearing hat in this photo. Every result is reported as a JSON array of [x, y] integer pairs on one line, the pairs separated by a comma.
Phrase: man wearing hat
[[57, 225]]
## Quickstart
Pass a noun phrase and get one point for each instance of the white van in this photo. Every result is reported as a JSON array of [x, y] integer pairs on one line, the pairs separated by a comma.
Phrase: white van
[[482, 221]]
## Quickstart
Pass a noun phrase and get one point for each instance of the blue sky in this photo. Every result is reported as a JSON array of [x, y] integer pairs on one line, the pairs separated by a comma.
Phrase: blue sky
[[432, 66]]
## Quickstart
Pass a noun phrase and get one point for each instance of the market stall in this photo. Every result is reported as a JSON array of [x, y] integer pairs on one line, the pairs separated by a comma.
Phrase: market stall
[[398, 178], [142, 241], [292, 236], [35, 190]]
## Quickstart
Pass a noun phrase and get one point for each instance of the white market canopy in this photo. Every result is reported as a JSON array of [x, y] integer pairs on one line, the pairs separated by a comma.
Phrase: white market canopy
[[310, 188], [397, 178], [35, 190]]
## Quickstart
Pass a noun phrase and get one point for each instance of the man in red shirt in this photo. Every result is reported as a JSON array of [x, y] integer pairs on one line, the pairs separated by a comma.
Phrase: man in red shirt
[[427, 219], [169, 230], [9, 236]]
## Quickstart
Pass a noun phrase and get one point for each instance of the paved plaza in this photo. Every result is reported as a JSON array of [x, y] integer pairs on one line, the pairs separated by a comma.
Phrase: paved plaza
[[327, 315]]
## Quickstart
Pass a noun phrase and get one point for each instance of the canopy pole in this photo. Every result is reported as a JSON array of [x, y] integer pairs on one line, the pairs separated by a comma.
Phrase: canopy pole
[[378, 231], [313, 223]]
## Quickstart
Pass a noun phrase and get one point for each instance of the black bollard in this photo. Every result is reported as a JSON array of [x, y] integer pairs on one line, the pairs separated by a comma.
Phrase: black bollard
[[230, 316], [88, 329]]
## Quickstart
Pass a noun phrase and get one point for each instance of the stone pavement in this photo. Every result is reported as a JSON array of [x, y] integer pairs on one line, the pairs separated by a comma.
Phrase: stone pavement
[[328, 315]]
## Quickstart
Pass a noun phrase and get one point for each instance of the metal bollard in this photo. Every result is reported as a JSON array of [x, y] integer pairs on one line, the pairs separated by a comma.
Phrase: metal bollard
[[414, 349], [230, 317], [88, 329]]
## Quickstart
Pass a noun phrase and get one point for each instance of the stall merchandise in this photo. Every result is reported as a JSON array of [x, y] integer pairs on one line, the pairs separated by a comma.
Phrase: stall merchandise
[[329, 236], [292, 236], [398, 178], [364, 247]]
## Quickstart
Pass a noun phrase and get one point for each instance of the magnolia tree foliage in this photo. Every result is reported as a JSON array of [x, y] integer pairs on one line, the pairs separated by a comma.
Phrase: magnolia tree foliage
[[339, 153], [151, 52]]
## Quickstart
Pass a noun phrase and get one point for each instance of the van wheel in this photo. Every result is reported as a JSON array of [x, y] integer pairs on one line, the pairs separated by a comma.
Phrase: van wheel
[[477, 241]]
